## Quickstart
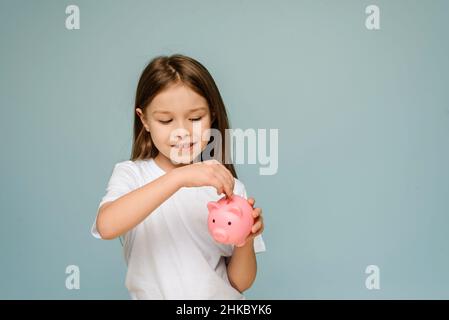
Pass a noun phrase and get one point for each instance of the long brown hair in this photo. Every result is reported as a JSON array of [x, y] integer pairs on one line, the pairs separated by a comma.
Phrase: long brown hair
[[163, 71]]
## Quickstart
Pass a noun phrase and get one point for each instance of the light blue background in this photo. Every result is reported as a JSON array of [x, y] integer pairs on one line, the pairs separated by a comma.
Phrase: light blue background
[[363, 119]]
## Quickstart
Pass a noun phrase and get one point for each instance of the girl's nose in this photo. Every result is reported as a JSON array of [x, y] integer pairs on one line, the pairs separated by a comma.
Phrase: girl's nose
[[180, 134]]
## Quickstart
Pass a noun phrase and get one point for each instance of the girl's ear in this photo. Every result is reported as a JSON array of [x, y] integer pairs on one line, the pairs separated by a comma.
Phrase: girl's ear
[[141, 116]]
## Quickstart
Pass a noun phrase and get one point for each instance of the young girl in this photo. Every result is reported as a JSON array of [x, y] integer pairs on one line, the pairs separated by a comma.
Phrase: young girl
[[159, 204]]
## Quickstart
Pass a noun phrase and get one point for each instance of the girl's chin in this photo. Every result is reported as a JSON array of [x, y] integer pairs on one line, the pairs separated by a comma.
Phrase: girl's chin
[[185, 155], [183, 158]]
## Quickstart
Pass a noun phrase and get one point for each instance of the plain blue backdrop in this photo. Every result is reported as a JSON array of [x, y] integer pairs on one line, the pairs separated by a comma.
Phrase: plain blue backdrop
[[363, 119]]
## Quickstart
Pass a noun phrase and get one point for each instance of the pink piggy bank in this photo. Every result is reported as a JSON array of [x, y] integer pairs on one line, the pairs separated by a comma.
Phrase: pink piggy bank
[[230, 220]]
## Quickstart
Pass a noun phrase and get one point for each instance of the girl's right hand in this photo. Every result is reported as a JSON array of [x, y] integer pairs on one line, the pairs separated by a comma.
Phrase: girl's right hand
[[207, 173]]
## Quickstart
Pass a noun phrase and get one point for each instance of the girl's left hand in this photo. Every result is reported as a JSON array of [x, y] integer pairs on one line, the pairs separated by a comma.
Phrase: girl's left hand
[[258, 225]]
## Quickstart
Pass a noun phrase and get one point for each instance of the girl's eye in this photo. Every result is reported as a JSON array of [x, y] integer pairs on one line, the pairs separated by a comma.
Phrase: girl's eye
[[229, 223], [165, 122], [196, 119], [213, 220]]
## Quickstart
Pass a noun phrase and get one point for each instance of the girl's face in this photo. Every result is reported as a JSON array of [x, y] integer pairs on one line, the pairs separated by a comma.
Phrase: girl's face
[[177, 119]]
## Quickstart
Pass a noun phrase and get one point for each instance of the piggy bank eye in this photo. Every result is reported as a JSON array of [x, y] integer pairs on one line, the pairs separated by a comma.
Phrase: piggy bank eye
[[213, 220], [229, 223]]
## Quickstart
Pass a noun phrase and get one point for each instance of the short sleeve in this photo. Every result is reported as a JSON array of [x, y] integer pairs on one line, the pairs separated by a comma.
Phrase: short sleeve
[[122, 181], [239, 189]]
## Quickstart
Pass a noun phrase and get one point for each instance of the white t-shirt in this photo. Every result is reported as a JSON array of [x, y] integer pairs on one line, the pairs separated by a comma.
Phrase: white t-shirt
[[171, 255]]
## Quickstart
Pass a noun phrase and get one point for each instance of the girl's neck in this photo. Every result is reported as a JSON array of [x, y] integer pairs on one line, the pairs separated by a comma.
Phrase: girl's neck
[[165, 164]]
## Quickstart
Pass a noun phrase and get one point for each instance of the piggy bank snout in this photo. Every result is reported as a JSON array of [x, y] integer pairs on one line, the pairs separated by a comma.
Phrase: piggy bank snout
[[220, 235]]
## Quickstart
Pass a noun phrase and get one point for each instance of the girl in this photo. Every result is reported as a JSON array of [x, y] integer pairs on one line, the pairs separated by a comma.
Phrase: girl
[[158, 199]]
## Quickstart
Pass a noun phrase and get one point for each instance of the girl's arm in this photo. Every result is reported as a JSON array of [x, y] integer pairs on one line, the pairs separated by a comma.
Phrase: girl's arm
[[121, 215], [242, 267]]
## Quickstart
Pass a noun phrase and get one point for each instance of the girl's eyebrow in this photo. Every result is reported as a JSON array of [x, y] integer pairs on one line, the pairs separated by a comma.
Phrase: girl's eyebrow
[[191, 110], [196, 109], [160, 111]]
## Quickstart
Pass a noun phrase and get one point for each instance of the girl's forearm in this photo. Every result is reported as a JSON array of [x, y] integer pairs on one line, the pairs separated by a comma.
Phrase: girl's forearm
[[119, 216], [242, 267]]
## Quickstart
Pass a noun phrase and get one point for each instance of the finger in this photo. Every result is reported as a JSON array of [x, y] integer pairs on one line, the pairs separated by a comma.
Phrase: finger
[[217, 184], [260, 231], [211, 161], [214, 179], [258, 219], [251, 201], [211, 176], [257, 212], [256, 226], [220, 190], [231, 177], [228, 175], [225, 182], [222, 187]]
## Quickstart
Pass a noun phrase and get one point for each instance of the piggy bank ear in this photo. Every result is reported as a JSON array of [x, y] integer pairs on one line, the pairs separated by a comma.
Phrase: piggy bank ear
[[212, 206], [235, 210]]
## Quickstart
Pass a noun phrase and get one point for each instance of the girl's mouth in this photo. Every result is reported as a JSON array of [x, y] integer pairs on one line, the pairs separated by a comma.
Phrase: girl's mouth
[[184, 146]]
